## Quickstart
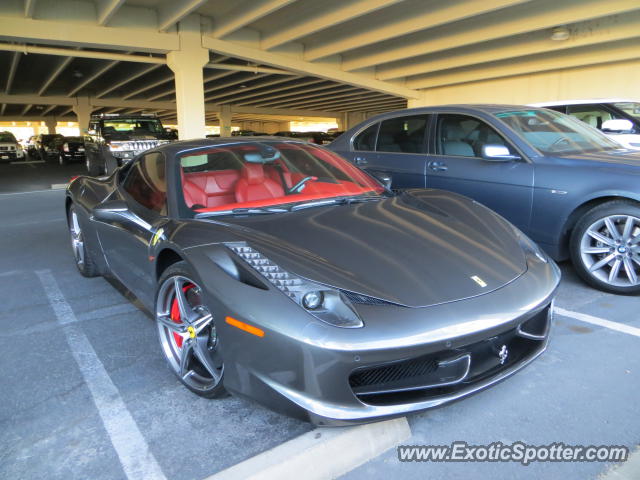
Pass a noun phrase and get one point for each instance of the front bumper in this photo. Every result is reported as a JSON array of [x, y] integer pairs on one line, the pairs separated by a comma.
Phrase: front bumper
[[403, 360], [11, 155]]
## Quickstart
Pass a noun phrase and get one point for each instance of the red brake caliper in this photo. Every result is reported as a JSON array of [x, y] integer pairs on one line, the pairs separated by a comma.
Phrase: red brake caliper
[[175, 314]]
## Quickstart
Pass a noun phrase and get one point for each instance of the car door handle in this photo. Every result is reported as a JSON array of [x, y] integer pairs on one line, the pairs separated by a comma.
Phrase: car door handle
[[438, 166], [360, 161]]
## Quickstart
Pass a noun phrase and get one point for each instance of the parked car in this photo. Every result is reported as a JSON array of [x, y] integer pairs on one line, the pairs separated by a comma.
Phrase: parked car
[[618, 119], [319, 138], [278, 270], [114, 139], [10, 149], [70, 149], [245, 133], [568, 186], [45, 146]]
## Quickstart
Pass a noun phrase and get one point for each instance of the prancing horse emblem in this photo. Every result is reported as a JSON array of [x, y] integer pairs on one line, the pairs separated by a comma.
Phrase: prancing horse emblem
[[503, 354]]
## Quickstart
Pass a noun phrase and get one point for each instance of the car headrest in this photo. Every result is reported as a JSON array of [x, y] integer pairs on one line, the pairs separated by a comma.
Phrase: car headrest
[[253, 173], [452, 132]]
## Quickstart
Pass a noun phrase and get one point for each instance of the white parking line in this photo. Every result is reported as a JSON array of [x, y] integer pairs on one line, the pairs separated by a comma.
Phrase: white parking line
[[24, 193], [133, 451], [583, 317], [21, 162], [58, 186]]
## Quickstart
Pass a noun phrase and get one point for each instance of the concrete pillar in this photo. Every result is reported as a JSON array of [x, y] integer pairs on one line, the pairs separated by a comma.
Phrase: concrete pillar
[[187, 64], [342, 122], [225, 120], [51, 123], [284, 127], [83, 110], [354, 118]]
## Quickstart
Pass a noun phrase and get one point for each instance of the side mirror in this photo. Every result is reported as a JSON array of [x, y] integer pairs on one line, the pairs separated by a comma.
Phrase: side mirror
[[498, 153], [109, 208], [617, 126], [384, 178]]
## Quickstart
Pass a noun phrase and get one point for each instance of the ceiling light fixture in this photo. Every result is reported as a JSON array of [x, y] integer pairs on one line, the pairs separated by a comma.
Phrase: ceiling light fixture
[[560, 33]]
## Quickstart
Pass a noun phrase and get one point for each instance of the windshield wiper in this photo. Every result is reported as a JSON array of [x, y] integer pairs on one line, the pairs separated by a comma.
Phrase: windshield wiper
[[242, 211], [336, 201]]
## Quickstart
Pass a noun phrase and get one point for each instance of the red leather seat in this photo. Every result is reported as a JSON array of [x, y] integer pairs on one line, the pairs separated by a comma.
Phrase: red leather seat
[[255, 185], [210, 189]]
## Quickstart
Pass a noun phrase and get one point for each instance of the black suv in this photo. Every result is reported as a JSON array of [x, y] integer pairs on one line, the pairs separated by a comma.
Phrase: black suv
[[115, 139]]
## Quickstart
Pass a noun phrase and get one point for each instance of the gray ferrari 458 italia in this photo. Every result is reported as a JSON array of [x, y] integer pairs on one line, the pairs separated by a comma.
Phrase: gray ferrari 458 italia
[[277, 270]]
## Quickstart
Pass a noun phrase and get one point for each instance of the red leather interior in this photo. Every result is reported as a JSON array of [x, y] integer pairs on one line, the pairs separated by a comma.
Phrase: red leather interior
[[210, 189], [255, 185]]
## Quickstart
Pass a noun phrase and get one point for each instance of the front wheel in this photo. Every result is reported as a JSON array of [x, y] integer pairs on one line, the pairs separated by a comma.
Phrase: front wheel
[[605, 247], [188, 333], [84, 261], [93, 168]]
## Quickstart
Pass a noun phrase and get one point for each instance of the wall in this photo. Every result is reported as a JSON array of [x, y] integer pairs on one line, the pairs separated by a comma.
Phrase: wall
[[612, 80]]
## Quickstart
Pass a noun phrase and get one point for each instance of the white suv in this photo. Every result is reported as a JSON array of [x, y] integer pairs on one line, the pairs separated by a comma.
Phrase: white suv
[[619, 119], [10, 149]]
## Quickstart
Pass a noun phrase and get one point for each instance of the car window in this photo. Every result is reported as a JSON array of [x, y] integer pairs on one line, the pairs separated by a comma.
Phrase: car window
[[366, 141], [630, 108], [146, 182], [464, 136], [7, 137], [593, 115], [402, 134], [554, 133], [212, 161]]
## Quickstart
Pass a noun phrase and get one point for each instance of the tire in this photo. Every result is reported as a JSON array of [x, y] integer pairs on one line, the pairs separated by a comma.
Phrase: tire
[[62, 160], [84, 261], [93, 168], [605, 247], [191, 347]]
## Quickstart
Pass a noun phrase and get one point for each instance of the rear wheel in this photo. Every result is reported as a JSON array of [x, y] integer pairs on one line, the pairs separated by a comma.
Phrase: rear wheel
[[84, 261], [62, 160], [188, 334], [605, 247]]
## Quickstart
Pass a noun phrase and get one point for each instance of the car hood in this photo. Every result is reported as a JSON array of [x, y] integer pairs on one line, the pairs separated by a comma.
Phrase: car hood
[[624, 157], [420, 248]]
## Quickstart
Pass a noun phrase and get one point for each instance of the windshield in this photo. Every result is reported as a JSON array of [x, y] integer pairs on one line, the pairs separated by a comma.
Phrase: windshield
[[7, 137], [630, 108], [256, 175], [132, 126], [555, 133]]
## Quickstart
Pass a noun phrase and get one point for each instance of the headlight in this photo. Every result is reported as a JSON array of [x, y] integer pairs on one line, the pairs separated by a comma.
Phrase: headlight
[[65, 147], [530, 247], [312, 300], [119, 147], [324, 303]]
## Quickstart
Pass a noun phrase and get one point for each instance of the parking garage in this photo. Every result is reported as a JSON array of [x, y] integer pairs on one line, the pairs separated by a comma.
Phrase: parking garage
[[88, 393]]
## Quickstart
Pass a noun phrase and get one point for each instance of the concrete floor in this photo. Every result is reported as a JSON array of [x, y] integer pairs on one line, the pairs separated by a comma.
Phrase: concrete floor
[[583, 390]]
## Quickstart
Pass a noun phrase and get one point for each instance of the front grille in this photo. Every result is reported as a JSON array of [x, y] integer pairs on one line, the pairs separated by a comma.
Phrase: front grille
[[385, 374], [447, 371], [7, 148], [364, 299]]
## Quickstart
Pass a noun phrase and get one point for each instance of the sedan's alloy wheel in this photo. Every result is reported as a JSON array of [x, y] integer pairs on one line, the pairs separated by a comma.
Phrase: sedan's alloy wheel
[[188, 334], [610, 250]]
